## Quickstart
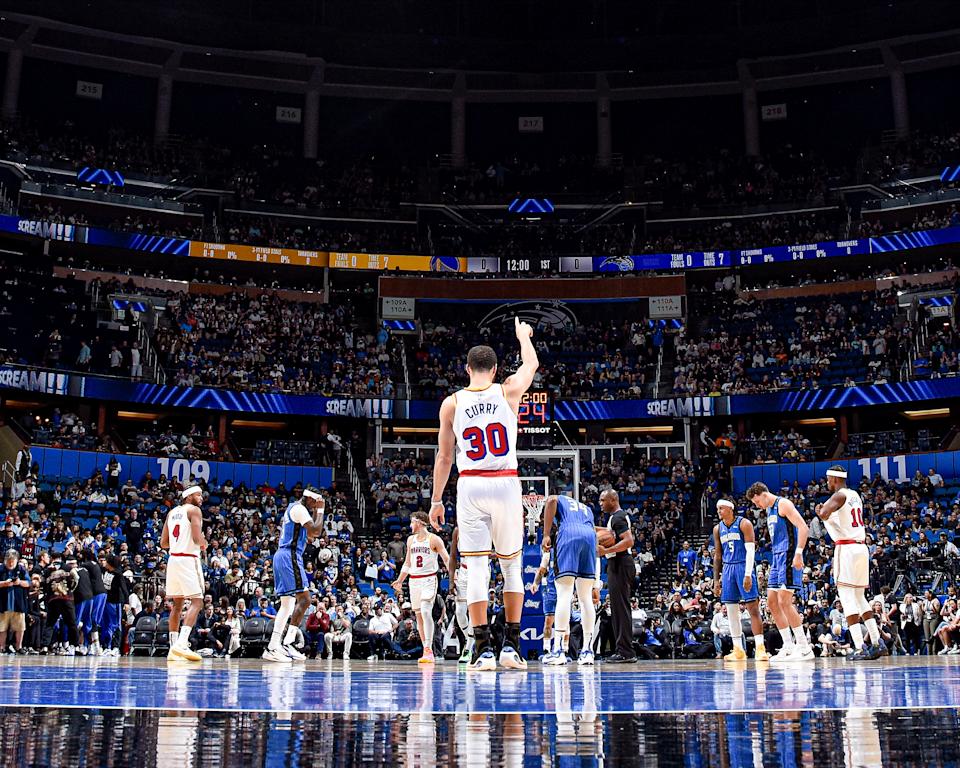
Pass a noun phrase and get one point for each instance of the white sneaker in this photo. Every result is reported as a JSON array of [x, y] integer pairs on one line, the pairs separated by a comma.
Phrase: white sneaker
[[585, 659], [510, 659], [276, 655], [82, 651], [485, 662], [556, 660], [784, 654], [954, 651], [293, 653], [373, 657], [803, 654]]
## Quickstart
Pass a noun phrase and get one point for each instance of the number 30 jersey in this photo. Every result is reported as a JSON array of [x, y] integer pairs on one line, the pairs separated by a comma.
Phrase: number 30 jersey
[[846, 524], [486, 430]]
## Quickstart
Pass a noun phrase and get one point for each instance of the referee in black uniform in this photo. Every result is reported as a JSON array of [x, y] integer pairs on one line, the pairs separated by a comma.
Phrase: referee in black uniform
[[621, 573]]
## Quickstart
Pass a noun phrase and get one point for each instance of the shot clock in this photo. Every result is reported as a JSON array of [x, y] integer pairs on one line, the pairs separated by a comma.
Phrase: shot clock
[[535, 418]]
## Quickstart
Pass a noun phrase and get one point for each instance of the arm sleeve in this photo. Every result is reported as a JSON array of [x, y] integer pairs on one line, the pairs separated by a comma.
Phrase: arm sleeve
[[751, 548], [299, 514], [545, 560]]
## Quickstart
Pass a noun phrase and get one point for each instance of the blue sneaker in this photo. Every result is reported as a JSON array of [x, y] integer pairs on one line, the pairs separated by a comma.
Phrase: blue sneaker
[[486, 662], [585, 659]]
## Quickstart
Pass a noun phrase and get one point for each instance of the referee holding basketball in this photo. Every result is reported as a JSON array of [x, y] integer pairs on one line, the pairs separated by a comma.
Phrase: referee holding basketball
[[621, 573]]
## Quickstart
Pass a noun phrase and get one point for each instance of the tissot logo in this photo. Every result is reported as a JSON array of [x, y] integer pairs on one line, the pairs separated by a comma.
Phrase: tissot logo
[[361, 409], [681, 407]]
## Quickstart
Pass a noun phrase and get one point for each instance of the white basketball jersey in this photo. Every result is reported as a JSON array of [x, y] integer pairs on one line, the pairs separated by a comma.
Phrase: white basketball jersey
[[423, 560], [180, 533], [846, 524], [486, 430]]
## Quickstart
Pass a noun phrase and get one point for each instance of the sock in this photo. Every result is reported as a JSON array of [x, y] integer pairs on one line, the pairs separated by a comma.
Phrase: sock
[[291, 636], [560, 641], [470, 639], [801, 638], [736, 628], [547, 643], [287, 604], [758, 643], [184, 639], [856, 632], [481, 637], [173, 638], [873, 630], [512, 637], [588, 614], [787, 637], [426, 613]]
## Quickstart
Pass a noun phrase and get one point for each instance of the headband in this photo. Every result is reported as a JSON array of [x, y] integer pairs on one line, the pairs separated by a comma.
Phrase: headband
[[837, 473], [310, 494], [190, 491], [725, 503]]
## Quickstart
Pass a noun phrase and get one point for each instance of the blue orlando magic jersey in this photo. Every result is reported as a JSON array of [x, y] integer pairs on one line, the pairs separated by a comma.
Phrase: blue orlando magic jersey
[[572, 514], [293, 535], [731, 540], [782, 532]]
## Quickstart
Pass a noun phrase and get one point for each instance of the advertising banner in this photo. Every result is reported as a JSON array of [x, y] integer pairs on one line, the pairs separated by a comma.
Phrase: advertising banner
[[256, 253]]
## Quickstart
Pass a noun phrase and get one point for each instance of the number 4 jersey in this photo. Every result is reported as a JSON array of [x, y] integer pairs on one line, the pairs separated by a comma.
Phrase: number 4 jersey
[[846, 524], [486, 430]]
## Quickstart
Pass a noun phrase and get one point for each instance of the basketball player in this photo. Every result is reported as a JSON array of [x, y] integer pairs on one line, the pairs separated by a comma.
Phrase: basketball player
[[842, 514], [788, 537], [423, 549], [734, 550], [576, 545], [183, 536], [544, 575], [481, 421], [289, 576], [459, 581]]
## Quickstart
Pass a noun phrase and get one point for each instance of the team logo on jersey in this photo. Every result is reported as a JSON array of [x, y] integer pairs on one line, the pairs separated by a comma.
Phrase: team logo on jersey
[[620, 263], [444, 264], [540, 314]]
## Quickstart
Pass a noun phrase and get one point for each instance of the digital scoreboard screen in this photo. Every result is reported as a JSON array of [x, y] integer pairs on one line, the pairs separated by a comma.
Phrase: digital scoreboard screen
[[535, 415]]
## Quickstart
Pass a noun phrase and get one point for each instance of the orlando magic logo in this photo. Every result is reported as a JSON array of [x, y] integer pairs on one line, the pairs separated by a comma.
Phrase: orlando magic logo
[[444, 264], [540, 314], [616, 264]]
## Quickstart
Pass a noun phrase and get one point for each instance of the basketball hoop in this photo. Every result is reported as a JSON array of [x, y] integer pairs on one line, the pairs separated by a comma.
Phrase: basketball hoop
[[533, 504]]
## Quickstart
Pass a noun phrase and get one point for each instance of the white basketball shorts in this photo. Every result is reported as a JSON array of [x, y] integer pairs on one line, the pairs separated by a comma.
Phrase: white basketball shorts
[[184, 576], [490, 516], [851, 565]]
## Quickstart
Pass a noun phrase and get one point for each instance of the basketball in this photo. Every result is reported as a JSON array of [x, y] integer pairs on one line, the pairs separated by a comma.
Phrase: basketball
[[605, 537]]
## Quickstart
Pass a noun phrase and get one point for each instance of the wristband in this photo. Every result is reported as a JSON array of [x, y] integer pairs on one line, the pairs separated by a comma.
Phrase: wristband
[[798, 551], [436, 503]]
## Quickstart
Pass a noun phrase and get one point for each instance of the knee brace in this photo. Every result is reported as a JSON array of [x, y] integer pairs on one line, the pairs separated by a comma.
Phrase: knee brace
[[849, 601], [512, 571], [478, 579]]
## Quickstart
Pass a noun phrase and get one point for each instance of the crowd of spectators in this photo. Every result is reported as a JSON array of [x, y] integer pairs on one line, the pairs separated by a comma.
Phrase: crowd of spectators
[[596, 360], [267, 344], [190, 444], [745, 345]]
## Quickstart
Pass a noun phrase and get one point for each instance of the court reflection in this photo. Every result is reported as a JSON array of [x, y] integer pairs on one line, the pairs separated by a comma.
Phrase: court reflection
[[419, 739]]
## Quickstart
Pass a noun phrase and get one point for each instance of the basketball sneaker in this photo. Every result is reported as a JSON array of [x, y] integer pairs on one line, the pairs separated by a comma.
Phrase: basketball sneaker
[[803, 654], [585, 659], [737, 654], [760, 654], [510, 659], [555, 660], [486, 662], [185, 653], [277, 655], [427, 657], [465, 655], [784, 654], [293, 653]]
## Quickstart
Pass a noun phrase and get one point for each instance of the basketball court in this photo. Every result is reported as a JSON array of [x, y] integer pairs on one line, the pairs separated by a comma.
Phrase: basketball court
[[896, 711]]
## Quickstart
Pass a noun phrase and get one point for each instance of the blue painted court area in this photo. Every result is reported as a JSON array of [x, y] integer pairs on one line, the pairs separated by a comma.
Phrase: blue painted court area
[[365, 687]]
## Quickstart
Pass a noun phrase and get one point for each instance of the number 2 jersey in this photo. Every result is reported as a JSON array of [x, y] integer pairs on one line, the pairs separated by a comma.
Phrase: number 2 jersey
[[846, 524], [486, 430]]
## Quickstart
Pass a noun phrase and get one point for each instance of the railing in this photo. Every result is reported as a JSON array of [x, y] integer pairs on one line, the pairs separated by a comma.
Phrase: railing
[[656, 380], [358, 496], [7, 471], [114, 198]]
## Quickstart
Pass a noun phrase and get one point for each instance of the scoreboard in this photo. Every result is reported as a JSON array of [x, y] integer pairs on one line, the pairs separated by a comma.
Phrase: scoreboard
[[535, 418]]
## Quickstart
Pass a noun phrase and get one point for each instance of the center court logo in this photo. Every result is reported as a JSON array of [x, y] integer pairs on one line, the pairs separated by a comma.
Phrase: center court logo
[[681, 407]]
